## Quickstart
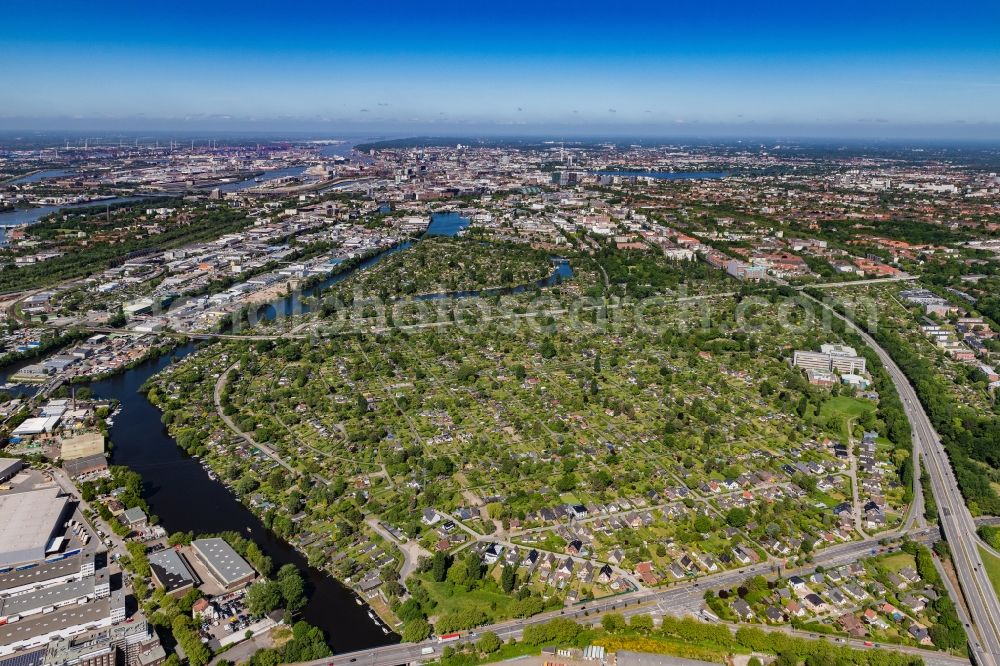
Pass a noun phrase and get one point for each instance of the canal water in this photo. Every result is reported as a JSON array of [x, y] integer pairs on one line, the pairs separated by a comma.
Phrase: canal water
[[446, 224], [21, 216], [236, 186], [442, 224], [185, 499], [40, 176], [181, 494]]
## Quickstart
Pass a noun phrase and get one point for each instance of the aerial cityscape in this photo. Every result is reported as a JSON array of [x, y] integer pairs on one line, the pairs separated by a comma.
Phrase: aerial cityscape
[[662, 335]]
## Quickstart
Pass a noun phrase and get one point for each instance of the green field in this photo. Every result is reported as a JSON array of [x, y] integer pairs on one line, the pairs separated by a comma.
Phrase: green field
[[452, 600], [992, 564], [898, 561], [846, 409]]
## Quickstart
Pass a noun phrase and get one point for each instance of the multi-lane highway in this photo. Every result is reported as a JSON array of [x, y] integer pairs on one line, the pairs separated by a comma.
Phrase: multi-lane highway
[[685, 598], [956, 521]]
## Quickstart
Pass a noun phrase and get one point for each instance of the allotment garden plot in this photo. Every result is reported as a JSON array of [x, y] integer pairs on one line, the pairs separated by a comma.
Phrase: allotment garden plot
[[665, 454]]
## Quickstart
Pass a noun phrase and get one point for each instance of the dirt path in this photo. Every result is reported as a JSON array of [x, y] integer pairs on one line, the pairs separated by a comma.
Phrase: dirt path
[[268, 451]]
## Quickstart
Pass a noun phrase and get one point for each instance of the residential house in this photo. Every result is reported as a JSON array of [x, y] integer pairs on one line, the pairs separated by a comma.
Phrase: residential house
[[743, 610], [645, 571], [852, 625], [814, 603]]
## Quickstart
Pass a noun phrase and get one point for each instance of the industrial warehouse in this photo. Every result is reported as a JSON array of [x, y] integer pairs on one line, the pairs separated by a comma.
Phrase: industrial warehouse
[[55, 587], [28, 523]]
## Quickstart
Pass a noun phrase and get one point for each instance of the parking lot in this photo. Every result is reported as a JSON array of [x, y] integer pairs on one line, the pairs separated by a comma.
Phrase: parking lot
[[226, 615]]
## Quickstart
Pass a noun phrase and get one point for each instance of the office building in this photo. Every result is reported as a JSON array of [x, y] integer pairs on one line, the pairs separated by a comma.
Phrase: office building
[[842, 358]]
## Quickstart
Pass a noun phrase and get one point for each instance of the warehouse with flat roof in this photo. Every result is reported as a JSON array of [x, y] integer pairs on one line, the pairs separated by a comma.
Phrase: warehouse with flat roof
[[227, 567], [95, 586], [171, 572], [70, 620], [47, 574], [28, 522], [37, 425], [9, 467], [96, 464]]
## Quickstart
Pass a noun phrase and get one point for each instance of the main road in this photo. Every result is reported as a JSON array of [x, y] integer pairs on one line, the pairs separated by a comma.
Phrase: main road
[[685, 598], [956, 521]]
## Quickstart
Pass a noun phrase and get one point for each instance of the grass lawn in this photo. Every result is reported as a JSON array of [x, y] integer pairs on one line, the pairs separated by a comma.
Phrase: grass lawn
[[845, 408], [483, 600], [992, 565], [897, 561], [551, 542], [664, 645]]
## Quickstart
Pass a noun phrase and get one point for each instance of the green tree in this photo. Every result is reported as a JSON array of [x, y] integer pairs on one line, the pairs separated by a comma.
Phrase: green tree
[[416, 630], [137, 555], [489, 642], [566, 482], [410, 610], [737, 517], [508, 577], [263, 597], [439, 566], [613, 622], [642, 623], [187, 637], [293, 588]]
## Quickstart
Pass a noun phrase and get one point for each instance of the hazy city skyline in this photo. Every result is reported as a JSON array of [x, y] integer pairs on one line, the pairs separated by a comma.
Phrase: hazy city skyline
[[891, 70]]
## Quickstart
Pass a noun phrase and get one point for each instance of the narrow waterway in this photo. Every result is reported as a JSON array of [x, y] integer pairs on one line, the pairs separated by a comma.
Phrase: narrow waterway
[[180, 493], [236, 186], [184, 498], [23, 216], [39, 176]]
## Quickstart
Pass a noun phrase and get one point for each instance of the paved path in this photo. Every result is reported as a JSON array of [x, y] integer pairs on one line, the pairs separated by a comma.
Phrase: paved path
[[412, 551], [858, 283], [267, 450], [852, 474]]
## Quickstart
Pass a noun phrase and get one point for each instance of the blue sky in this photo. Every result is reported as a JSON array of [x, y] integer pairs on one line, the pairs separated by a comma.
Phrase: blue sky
[[855, 68]]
